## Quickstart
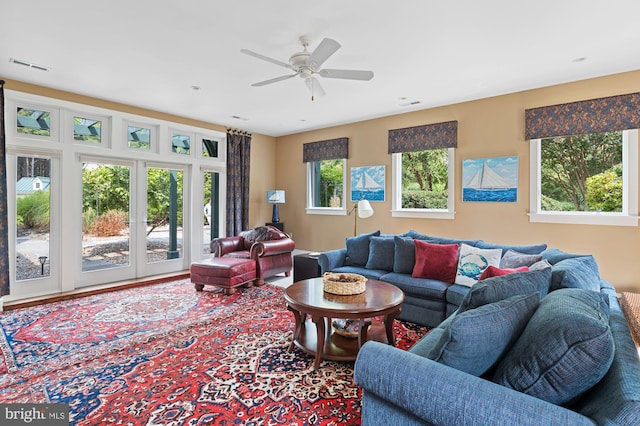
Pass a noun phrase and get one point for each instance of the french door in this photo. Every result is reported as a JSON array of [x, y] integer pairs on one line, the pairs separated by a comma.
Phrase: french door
[[132, 218], [34, 213]]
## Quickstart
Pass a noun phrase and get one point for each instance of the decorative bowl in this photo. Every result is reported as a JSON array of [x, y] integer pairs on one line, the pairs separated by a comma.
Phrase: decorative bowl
[[343, 283]]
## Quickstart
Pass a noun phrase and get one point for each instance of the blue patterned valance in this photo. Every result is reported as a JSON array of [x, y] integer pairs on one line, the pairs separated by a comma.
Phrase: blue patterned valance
[[420, 138], [578, 118], [325, 150]]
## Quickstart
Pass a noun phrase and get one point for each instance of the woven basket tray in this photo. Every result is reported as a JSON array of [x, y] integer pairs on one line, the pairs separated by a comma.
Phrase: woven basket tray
[[343, 283]]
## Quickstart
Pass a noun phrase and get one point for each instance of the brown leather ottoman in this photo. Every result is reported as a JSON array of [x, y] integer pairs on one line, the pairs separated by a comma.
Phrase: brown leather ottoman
[[225, 272]]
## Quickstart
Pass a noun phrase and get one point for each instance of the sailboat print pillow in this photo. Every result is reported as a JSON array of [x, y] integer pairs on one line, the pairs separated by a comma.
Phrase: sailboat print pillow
[[473, 261]]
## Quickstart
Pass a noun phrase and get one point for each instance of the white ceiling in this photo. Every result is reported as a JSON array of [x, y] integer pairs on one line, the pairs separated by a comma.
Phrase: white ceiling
[[149, 53]]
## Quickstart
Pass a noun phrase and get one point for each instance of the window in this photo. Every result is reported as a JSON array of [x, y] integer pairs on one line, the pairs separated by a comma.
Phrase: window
[[181, 144], [585, 179], [327, 181], [139, 137], [326, 175], [423, 183], [33, 122], [87, 130], [209, 148], [422, 163]]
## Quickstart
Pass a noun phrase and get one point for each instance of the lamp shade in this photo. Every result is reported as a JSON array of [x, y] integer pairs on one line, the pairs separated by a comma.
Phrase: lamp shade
[[364, 209], [275, 196]]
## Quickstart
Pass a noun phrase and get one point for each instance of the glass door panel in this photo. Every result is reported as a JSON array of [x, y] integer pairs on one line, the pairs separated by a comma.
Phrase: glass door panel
[[35, 262], [106, 239], [212, 213], [164, 217]]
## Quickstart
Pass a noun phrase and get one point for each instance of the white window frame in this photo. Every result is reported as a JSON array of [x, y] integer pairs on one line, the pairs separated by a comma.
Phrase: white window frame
[[629, 214], [336, 211], [222, 147], [396, 192]]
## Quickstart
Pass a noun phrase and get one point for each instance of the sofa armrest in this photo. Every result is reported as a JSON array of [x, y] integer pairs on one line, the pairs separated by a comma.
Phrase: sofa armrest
[[221, 246], [272, 247], [441, 395], [329, 260]]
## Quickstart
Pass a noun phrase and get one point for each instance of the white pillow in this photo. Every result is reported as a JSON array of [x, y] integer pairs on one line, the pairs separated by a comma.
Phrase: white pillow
[[472, 261]]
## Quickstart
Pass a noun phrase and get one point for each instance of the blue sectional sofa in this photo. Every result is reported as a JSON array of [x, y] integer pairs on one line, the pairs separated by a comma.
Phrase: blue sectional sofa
[[548, 346], [391, 258]]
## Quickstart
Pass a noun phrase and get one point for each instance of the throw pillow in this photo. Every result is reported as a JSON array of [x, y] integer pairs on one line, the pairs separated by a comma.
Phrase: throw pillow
[[435, 261], [515, 259], [404, 256], [566, 348], [578, 272], [499, 288], [473, 261], [381, 252], [475, 340], [492, 271], [358, 249], [541, 264]]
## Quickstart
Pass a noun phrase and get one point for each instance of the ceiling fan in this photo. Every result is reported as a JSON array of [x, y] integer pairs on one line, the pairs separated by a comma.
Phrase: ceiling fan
[[307, 65]]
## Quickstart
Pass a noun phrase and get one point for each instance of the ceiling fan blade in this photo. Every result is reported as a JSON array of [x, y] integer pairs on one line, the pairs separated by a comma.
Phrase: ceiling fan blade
[[324, 50], [274, 80], [266, 58], [314, 87], [347, 74]]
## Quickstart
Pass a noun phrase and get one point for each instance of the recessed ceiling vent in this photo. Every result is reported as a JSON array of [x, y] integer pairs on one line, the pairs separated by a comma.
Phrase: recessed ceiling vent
[[28, 64]]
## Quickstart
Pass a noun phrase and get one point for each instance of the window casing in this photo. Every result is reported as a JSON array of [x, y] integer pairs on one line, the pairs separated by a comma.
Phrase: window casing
[[428, 213], [628, 216], [323, 197]]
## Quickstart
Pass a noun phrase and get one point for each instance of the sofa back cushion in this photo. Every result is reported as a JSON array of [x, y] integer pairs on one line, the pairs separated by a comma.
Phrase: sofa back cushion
[[436, 261], [473, 341], [358, 249], [381, 253], [565, 349], [502, 287], [577, 272], [404, 256]]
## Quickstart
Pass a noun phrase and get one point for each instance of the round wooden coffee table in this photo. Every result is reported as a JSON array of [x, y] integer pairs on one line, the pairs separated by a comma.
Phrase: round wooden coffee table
[[315, 336]]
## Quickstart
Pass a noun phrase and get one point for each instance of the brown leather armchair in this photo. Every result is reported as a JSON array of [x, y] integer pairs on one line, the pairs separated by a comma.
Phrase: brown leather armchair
[[268, 246]]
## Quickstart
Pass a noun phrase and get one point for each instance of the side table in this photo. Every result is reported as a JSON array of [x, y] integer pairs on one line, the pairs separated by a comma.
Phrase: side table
[[305, 266]]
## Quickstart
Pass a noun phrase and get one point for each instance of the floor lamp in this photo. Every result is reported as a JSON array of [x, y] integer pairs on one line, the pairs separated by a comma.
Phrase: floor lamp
[[364, 210]]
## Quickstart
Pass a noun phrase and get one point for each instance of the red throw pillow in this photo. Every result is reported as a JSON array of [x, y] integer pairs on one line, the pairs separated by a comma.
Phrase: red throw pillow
[[494, 271], [436, 261]]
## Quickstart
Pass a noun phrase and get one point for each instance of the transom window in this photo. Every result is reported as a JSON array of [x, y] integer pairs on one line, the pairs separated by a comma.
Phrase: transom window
[[33, 122]]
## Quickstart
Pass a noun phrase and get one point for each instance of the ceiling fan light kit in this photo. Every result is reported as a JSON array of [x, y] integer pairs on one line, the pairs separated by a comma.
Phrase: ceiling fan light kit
[[307, 65]]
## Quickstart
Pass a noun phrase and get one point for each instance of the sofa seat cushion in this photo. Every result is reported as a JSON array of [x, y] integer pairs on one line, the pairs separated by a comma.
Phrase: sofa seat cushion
[[381, 252], [502, 287], [566, 348], [473, 341], [578, 272], [418, 287], [456, 294], [369, 273]]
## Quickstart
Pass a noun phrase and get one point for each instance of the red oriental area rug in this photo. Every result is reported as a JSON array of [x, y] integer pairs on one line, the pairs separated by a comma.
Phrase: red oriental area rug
[[165, 354]]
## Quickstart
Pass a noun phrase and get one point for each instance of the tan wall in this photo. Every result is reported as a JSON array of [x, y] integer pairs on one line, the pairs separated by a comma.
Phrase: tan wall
[[492, 127]]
